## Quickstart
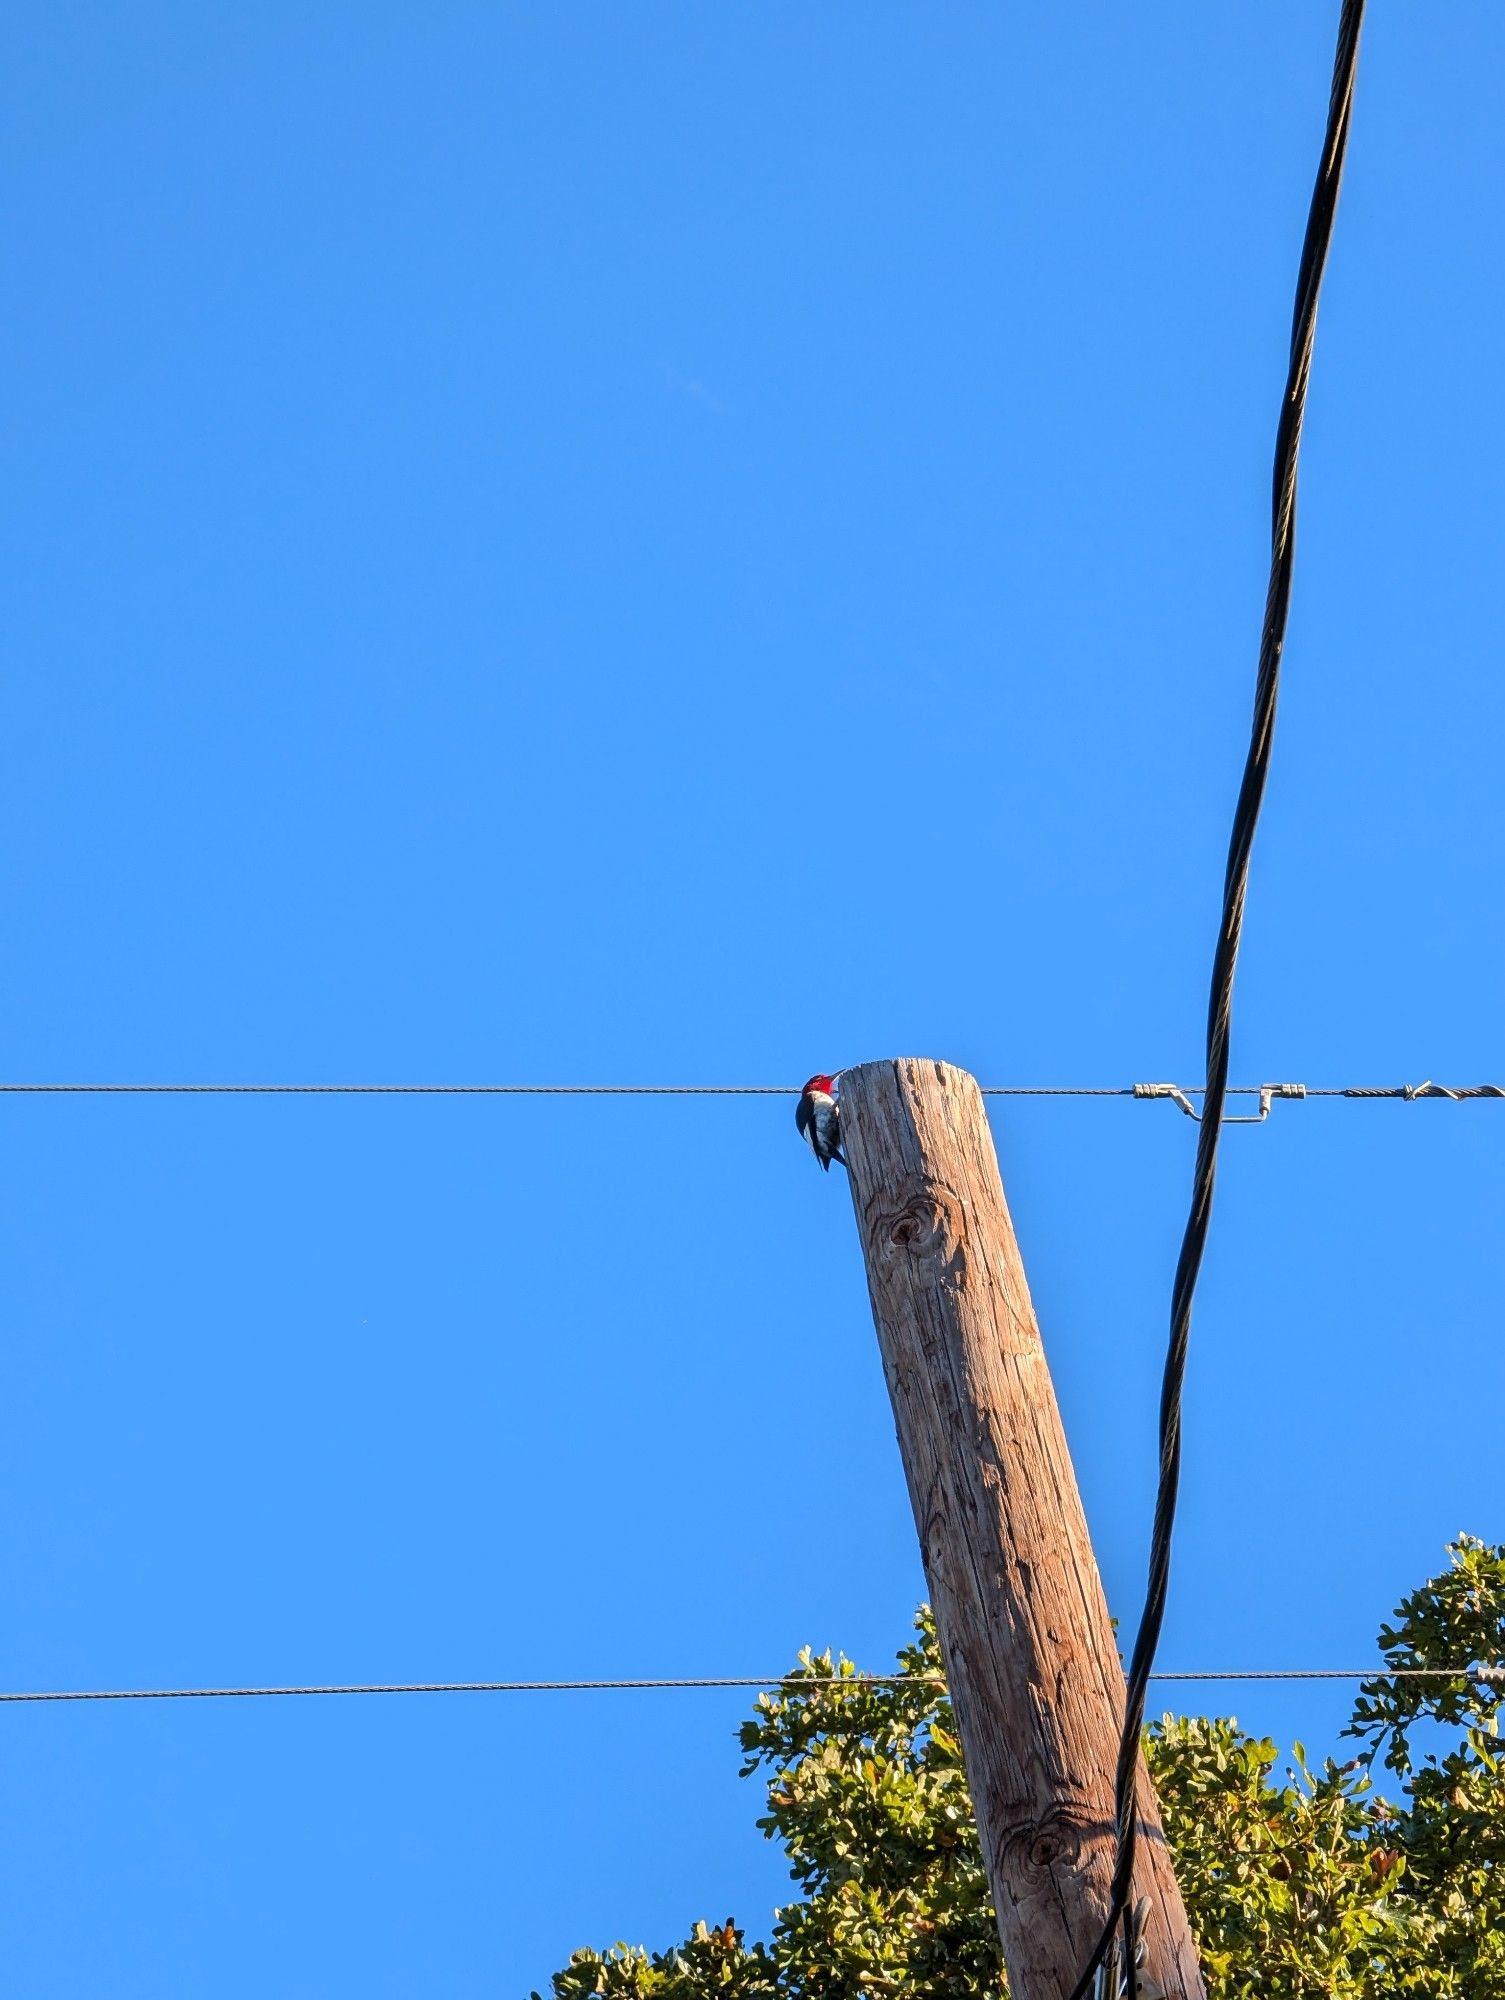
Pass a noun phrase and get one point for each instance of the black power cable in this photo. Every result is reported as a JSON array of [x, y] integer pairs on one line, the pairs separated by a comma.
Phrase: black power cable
[[1319, 230]]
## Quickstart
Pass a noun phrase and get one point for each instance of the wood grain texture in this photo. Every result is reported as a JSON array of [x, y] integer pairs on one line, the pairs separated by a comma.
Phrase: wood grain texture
[[1029, 1651]]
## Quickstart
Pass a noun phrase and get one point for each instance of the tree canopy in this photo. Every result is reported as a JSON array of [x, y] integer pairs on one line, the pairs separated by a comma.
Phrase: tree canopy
[[1310, 1882]]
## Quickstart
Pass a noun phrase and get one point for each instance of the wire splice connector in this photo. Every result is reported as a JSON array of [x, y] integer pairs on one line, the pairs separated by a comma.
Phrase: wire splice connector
[[1268, 1092]]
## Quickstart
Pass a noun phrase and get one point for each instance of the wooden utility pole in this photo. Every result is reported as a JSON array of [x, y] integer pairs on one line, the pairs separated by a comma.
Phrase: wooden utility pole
[[1030, 1655]]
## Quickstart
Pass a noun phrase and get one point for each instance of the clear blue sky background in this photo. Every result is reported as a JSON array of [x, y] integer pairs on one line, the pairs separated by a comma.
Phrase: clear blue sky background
[[694, 543]]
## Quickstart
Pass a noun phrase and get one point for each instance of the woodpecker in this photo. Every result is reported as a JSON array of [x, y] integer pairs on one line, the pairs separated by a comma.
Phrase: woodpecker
[[819, 1121]]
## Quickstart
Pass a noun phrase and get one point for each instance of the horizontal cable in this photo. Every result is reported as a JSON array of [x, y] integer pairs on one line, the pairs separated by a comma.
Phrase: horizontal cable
[[785, 1683], [1408, 1092], [406, 1089]]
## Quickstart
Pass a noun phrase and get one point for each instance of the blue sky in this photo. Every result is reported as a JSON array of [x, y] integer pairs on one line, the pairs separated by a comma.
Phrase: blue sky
[[694, 544]]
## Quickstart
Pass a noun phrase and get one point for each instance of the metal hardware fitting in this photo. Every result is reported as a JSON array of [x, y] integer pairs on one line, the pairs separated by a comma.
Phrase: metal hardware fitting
[[1112, 1982], [1411, 1091], [1268, 1092]]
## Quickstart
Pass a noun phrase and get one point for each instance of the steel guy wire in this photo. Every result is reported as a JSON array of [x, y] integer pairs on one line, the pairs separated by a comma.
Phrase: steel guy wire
[[1408, 1092], [783, 1683], [1319, 231]]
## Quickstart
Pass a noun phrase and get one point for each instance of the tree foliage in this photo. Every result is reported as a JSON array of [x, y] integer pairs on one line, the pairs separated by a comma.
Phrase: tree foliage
[[1313, 1883]]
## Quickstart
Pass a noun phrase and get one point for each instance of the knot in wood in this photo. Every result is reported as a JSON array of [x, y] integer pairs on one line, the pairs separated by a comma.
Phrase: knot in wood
[[929, 1227], [1040, 1849], [916, 1226], [929, 1224]]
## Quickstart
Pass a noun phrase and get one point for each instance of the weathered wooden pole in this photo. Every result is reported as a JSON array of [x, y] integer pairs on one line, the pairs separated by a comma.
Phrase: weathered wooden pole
[[1030, 1656]]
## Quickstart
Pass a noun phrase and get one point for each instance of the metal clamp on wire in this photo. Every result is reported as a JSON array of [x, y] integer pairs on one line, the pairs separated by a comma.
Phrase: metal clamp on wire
[[1411, 1091], [1268, 1092], [1112, 1978]]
